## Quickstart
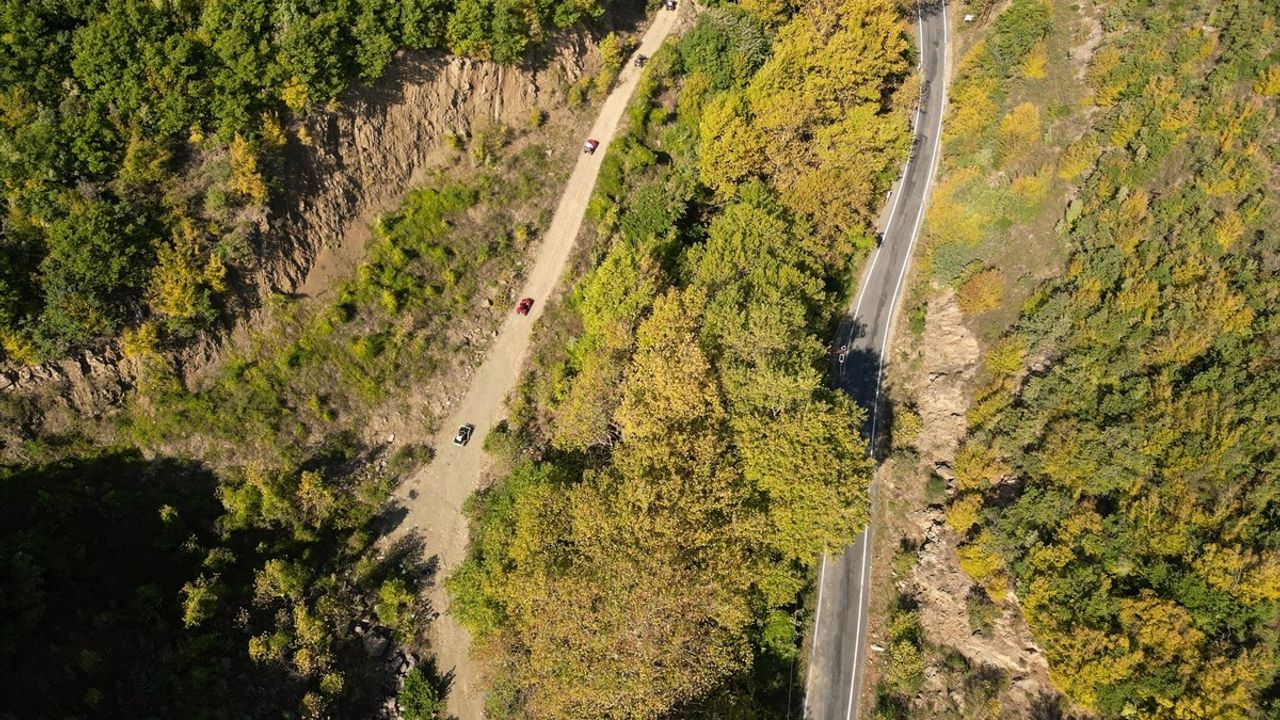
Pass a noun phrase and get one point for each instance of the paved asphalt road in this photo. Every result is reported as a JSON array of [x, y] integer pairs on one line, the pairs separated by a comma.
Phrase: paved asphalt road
[[840, 626]]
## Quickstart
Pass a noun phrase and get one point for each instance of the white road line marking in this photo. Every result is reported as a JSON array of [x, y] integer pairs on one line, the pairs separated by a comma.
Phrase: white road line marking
[[893, 305], [857, 635], [915, 231], [817, 618], [888, 224]]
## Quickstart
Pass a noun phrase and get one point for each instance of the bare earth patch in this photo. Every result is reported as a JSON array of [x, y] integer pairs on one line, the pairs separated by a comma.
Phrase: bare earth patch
[[940, 368]]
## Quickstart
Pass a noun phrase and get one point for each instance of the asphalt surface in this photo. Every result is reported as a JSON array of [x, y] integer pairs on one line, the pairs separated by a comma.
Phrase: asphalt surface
[[837, 658]]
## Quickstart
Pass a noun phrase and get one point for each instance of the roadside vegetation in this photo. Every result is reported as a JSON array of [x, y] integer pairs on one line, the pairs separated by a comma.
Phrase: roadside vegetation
[[449, 253], [213, 547], [136, 587], [1107, 221], [137, 142], [677, 461]]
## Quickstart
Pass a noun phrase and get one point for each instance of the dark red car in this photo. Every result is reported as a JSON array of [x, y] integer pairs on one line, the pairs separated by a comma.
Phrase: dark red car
[[589, 147], [525, 306]]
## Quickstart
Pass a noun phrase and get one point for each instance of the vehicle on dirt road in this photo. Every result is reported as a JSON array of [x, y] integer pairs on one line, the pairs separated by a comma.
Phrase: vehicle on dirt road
[[464, 434], [589, 147], [525, 306], [640, 60], [671, 4]]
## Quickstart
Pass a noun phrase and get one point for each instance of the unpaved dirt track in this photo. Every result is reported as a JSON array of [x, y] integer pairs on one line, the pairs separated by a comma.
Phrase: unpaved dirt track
[[445, 483]]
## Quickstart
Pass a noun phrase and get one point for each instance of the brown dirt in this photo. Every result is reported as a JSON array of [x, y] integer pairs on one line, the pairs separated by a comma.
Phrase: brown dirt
[[432, 498], [944, 362], [384, 139], [949, 361], [359, 159]]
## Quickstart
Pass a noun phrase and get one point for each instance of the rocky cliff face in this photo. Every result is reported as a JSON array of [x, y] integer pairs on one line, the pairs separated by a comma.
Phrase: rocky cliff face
[[361, 157], [342, 167], [950, 355]]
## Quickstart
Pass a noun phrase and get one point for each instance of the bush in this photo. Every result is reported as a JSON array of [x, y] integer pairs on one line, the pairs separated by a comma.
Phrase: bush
[[951, 261], [981, 292], [727, 44], [906, 426], [419, 699], [964, 512], [1017, 31], [982, 612], [488, 137], [394, 598]]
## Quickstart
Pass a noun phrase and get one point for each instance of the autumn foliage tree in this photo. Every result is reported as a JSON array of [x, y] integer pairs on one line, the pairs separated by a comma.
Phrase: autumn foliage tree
[[684, 463], [1126, 489]]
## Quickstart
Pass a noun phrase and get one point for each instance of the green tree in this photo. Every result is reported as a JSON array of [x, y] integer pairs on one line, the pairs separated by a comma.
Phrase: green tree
[[419, 699]]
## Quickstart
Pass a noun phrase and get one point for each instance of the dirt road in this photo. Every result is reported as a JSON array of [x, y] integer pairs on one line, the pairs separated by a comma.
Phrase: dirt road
[[443, 485]]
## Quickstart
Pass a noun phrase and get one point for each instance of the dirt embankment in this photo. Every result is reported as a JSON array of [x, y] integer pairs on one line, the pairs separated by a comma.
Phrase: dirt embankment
[[362, 157], [341, 168], [941, 383]]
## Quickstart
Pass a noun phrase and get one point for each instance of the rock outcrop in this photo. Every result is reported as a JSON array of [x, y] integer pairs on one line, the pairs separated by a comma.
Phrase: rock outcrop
[[949, 354], [341, 168]]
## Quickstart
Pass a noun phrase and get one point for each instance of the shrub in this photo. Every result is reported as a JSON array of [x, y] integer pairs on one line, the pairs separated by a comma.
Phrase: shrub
[[1017, 30], [727, 44], [394, 598], [982, 612], [488, 137], [981, 292], [906, 427], [985, 567], [1005, 356], [977, 466], [419, 699], [964, 512]]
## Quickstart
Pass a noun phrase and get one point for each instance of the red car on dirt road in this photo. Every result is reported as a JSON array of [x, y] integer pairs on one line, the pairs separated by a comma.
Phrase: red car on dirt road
[[589, 147], [525, 306]]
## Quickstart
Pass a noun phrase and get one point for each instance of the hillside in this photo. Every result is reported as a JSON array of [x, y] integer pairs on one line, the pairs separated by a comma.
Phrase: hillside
[[675, 461], [262, 258], [205, 541], [139, 144], [1106, 226]]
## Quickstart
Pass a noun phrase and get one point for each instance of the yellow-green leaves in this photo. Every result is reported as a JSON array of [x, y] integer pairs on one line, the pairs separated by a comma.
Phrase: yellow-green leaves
[[732, 149], [817, 103]]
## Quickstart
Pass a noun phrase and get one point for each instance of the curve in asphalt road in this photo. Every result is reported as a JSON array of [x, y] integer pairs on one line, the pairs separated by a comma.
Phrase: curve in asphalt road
[[833, 684], [432, 499]]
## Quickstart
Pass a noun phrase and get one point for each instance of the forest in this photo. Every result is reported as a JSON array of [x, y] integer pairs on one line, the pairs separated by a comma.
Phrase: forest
[[213, 548], [220, 547], [678, 463], [674, 462], [1121, 473], [138, 142]]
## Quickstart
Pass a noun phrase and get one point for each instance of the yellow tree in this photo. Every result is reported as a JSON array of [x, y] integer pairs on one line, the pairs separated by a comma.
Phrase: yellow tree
[[818, 104]]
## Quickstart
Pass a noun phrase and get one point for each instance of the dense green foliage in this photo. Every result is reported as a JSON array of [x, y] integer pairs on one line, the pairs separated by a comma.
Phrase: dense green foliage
[[131, 586], [1125, 482], [313, 371], [679, 464], [131, 133], [239, 585], [91, 568]]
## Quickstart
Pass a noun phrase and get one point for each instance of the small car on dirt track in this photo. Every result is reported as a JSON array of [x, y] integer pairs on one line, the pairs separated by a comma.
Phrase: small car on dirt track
[[640, 60], [525, 306], [589, 147], [464, 434]]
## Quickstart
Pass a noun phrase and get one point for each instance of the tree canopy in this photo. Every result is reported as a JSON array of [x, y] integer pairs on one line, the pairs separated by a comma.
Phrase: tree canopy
[[680, 463], [1122, 472], [141, 120]]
